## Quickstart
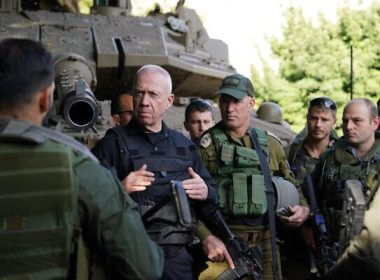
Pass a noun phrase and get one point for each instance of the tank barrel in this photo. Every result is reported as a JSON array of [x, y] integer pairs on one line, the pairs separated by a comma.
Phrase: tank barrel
[[77, 104], [79, 107]]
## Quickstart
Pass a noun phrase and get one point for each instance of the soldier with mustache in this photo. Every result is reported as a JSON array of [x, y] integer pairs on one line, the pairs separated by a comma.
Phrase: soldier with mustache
[[304, 154], [305, 150], [352, 157]]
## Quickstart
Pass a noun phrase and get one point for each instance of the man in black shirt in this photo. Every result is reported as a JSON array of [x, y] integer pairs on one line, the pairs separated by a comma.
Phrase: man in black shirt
[[147, 156]]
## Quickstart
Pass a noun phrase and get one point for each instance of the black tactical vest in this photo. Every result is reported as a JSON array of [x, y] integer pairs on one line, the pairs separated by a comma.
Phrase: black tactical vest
[[167, 165]]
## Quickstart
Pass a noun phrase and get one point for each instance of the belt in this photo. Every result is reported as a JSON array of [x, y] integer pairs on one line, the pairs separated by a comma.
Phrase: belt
[[257, 221], [250, 236]]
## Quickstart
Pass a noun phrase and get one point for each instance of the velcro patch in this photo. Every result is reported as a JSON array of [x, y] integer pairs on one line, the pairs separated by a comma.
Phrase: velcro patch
[[205, 141]]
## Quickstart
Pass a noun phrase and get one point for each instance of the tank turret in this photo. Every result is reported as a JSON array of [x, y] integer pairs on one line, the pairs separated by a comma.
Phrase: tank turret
[[98, 54]]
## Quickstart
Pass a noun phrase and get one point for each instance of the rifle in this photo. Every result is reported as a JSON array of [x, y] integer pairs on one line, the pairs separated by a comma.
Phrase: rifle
[[247, 260], [327, 253]]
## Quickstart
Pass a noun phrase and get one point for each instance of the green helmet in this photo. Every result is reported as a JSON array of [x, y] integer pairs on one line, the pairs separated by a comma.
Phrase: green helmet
[[270, 112]]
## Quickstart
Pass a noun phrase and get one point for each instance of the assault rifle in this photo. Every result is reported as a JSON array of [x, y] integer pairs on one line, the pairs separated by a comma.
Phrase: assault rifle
[[247, 260], [327, 253]]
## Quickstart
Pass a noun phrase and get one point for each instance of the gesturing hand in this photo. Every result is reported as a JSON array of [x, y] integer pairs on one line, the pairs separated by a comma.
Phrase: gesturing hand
[[137, 181], [195, 187]]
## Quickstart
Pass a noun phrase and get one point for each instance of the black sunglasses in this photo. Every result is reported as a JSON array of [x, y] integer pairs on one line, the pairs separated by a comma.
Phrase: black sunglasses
[[323, 102]]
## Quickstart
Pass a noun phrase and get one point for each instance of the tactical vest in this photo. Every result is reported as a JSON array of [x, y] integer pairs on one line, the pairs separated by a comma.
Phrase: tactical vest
[[171, 164], [38, 205], [303, 165], [239, 179], [341, 166]]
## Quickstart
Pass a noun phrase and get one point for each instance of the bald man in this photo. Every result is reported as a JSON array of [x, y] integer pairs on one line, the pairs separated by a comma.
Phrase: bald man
[[152, 157], [351, 157]]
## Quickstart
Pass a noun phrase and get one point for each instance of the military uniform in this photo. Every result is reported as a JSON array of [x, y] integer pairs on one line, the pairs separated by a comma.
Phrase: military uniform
[[230, 158], [300, 161], [294, 251], [168, 154], [53, 193], [361, 260], [339, 165]]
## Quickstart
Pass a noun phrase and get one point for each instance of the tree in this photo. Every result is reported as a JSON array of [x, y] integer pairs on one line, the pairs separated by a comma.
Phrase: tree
[[314, 61]]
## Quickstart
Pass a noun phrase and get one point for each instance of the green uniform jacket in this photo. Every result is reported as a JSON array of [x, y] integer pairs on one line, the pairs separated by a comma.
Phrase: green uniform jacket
[[112, 226], [361, 260], [110, 223]]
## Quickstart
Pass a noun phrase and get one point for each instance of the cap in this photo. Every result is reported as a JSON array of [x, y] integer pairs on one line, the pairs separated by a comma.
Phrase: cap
[[237, 86]]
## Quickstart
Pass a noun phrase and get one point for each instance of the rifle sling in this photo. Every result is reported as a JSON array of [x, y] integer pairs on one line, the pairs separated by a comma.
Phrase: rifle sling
[[269, 192]]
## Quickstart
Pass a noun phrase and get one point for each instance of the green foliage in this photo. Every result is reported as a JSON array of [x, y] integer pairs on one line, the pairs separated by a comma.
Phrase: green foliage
[[314, 60]]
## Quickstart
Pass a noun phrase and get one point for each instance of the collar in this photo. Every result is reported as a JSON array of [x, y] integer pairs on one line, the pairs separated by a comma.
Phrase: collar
[[133, 127], [243, 141]]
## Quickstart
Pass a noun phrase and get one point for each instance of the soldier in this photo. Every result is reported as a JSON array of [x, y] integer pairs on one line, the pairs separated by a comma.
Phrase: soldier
[[54, 194], [154, 155], [304, 154], [305, 150], [122, 109], [351, 157], [198, 118], [229, 154], [361, 260]]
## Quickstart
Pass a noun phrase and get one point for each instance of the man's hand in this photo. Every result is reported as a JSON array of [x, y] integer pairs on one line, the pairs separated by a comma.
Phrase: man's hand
[[299, 215], [195, 187], [216, 251], [137, 181]]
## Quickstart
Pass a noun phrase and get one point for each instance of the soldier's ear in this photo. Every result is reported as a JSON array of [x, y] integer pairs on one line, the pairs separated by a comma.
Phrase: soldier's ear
[[185, 124], [375, 123], [170, 100], [116, 119], [44, 99], [252, 103]]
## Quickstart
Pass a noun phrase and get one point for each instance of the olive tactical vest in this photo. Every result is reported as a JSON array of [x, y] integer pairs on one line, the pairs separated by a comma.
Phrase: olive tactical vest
[[342, 165], [239, 179], [38, 202]]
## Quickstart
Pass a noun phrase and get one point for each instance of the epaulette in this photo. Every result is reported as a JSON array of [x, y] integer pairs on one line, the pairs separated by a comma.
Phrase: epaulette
[[205, 141]]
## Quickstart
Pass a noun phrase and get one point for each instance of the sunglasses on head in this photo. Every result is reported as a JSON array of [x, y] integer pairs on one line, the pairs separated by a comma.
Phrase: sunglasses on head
[[323, 102]]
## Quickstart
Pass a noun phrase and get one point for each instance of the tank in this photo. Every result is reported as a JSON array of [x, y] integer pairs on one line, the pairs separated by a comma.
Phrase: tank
[[97, 55]]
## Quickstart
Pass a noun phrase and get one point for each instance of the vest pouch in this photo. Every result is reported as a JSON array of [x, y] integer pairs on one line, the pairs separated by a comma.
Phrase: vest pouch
[[246, 157], [227, 154], [223, 185], [349, 172], [38, 210], [258, 201], [239, 195]]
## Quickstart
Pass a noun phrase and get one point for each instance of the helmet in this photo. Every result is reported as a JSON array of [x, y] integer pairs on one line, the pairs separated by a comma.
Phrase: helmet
[[270, 112], [286, 194]]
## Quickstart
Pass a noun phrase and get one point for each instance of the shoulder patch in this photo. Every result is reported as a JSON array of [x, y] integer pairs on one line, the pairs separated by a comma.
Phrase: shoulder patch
[[274, 136], [205, 141]]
